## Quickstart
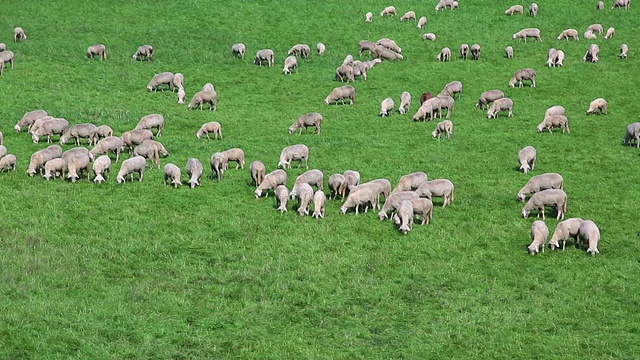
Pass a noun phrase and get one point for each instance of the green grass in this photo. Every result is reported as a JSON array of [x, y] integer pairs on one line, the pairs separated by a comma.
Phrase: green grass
[[141, 270]]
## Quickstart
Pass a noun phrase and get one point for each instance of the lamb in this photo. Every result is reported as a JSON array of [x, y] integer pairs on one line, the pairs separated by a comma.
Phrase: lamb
[[600, 5], [444, 127], [552, 57], [539, 235], [345, 72], [298, 153], [527, 158], [389, 10], [39, 158], [204, 97], [389, 44], [54, 167], [145, 51], [78, 160], [632, 134], [165, 78], [151, 121], [368, 17], [56, 126], [135, 164], [18, 34], [291, 62], [386, 107], [590, 35], [258, 171], [218, 165], [621, 4], [264, 55], [405, 102], [422, 207], [97, 50], [210, 127], [523, 74], [366, 45], [451, 89], [101, 167], [341, 93], [560, 58], [610, 33], [312, 177], [464, 51], [410, 181], [178, 81], [564, 230], [624, 51], [443, 188], [319, 204], [182, 95], [351, 180], [590, 233], [569, 33], [238, 50], [541, 182], [171, 171], [235, 154], [425, 96], [132, 138], [596, 28], [392, 202], [101, 132], [551, 197], [429, 36], [446, 102], [422, 22], [282, 197], [304, 195], [271, 182], [8, 162], [152, 150], [304, 121], [321, 48], [488, 97], [79, 131], [409, 15], [504, 104], [405, 212], [383, 53], [553, 121], [336, 182], [527, 33], [194, 171], [533, 9], [515, 9], [598, 106], [475, 52], [445, 55], [29, 118], [106, 145], [7, 57], [363, 196], [444, 4]]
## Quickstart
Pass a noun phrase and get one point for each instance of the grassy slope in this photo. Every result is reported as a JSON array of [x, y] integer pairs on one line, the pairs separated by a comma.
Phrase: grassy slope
[[139, 270]]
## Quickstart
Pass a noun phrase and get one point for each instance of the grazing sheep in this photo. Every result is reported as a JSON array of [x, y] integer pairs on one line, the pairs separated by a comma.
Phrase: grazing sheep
[[444, 55], [443, 188], [132, 138], [448, 103], [554, 121], [488, 97], [421, 206], [425, 96], [368, 17], [515, 9], [304, 195], [145, 51], [600, 5], [97, 50], [152, 150], [590, 233], [218, 165], [409, 15], [404, 216], [7, 57], [56, 126], [79, 131], [210, 127], [410, 181], [178, 81], [363, 196], [366, 45], [101, 167], [341, 93], [590, 35], [78, 160], [389, 44], [475, 52], [392, 202], [444, 127], [527, 158], [8, 162], [596, 27], [151, 121], [504, 104], [422, 22], [533, 9], [194, 171], [555, 110], [171, 171], [451, 89], [429, 36], [282, 197], [291, 153], [560, 58], [360, 68], [29, 118], [464, 51], [442, 4], [235, 154], [204, 97], [621, 4], [431, 107], [165, 78], [569, 33], [383, 53], [209, 87], [135, 164], [405, 102], [386, 107], [556, 198], [36, 124], [345, 72], [336, 182], [552, 57], [523, 74], [541, 182], [258, 171], [319, 204], [18, 34], [307, 120], [271, 182], [264, 55], [182, 95], [106, 145], [379, 187], [610, 33], [321, 48], [389, 10], [598, 106], [348, 60], [55, 167], [238, 50], [539, 235], [527, 33], [101, 132], [455, 5], [39, 158], [291, 62], [312, 177], [300, 49], [624, 51], [564, 230], [632, 134], [351, 180]]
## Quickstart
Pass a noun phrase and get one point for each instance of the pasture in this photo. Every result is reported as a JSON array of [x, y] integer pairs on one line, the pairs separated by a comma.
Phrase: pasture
[[143, 270]]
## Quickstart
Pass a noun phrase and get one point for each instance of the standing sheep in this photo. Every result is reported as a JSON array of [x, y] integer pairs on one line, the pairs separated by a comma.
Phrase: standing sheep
[[533, 9], [446, 102], [621, 4], [475, 51], [336, 182], [368, 17], [363, 196], [552, 57], [632, 134], [555, 110], [421, 206], [556, 198], [194, 171], [135, 164], [182, 95], [443, 188], [345, 72], [282, 197], [79, 131], [145, 51], [409, 15], [319, 203], [523, 74], [218, 165], [1, 138], [422, 22], [39, 158], [600, 5], [321, 48], [291, 62], [598, 106], [304, 195], [596, 28], [444, 55], [411, 181], [527, 158], [258, 171], [151, 121], [539, 235], [132, 138], [7, 57], [204, 97], [19, 34], [384, 53], [389, 10], [158, 80], [151, 150], [101, 167], [554, 121], [55, 167], [442, 4], [488, 97], [178, 81], [389, 44], [560, 58], [210, 127], [29, 118], [451, 89], [610, 33], [405, 214], [238, 50], [235, 154], [341, 93], [392, 202], [515, 9], [564, 230], [504, 104], [8, 162], [624, 51], [99, 50], [291, 153], [541, 182], [444, 127], [172, 172], [464, 51], [527, 33], [264, 55], [313, 177], [78, 160], [271, 182], [386, 107], [351, 180], [569, 33], [592, 53], [3, 151], [590, 233], [509, 52], [304, 121], [106, 145], [56, 126], [405, 102], [101, 132], [366, 45]]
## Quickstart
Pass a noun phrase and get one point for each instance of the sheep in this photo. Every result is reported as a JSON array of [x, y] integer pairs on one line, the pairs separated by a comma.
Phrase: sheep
[[152, 150], [313, 177], [444, 55], [411, 181], [429, 107], [218, 165], [527, 33], [368, 17], [533, 9], [29, 118], [624, 51], [366, 45], [598, 106], [541, 182], [422, 207], [178, 81], [632, 134], [389, 10], [210, 127], [551, 197], [560, 58], [271, 182], [552, 57], [36, 124], [319, 204], [600, 5], [304, 121], [135, 164], [151, 121], [264, 55], [590, 35], [164, 78], [425, 96], [341, 93], [590, 233], [194, 171], [54, 167], [345, 72], [444, 127], [488, 97], [305, 195], [386, 107], [379, 187], [291, 153], [392, 202], [238, 50], [610, 33], [282, 197], [351, 180], [321, 48], [97, 50], [443, 188], [204, 97], [475, 51], [145, 51], [527, 158], [101, 167], [300, 49], [523, 74], [621, 4], [336, 182], [504, 104], [39, 158], [569, 33], [464, 51], [363, 196], [596, 28], [7, 57], [209, 87], [106, 145], [383, 53], [132, 138], [422, 22], [171, 171], [446, 102], [539, 235], [348, 60], [182, 95], [360, 68], [444, 4], [258, 171], [19, 34], [559, 121], [429, 36], [8, 162], [409, 15], [78, 160], [515, 9], [404, 216], [389, 44], [291, 62], [237, 155], [405, 102], [79, 131], [56, 126], [451, 89], [102, 132], [564, 230], [555, 110]]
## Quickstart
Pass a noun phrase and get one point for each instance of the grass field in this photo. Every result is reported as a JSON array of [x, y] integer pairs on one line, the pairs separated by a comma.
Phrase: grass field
[[140, 270]]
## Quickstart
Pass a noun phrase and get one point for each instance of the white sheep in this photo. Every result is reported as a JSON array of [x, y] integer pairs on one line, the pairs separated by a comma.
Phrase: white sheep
[[392, 202], [101, 167], [321, 48], [194, 171], [282, 197], [218, 165], [389, 10], [3, 47], [489, 97], [258, 171], [442, 4], [444, 127], [610, 33], [409, 15], [366, 45], [405, 102], [345, 73], [238, 50], [291, 153], [79, 131], [164, 78], [8, 162], [291, 62], [39, 158], [151, 121], [527, 33], [351, 180], [389, 44], [7, 57], [560, 58], [384, 53], [475, 51], [56, 126], [386, 107], [632, 134], [99, 50], [624, 51], [378, 186], [429, 107], [444, 55], [523, 74], [304, 121], [319, 204], [564, 230], [464, 51], [341, 93], [172, 172], [210, 127], [264, 55], [336, 183], [360, 197], [554, 121], [36, 124], [504, 104], [209, 87], [368, 17], [527, 158], [132, 138], [569, 33], [422, 22], [600, 5], [237, 155], [556, 198], [29, 118], [541, 182], [446, 102], [443, 188], [539, 235], [596, 28], [204, 97], [421, 206], [555, 110], [405, 214], [429, 36], [598, 106], [411, 181], [78, 160], [19, 34], [313, 177], [515, 9], [451, 89], [145, 51], [136, 164], [533, 9], [178, 81], [552, 57], [621, 4], [102, 132], [271, 182], [55, 167], [305, 195], [152, 150], [590, 233], [590, 35]]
